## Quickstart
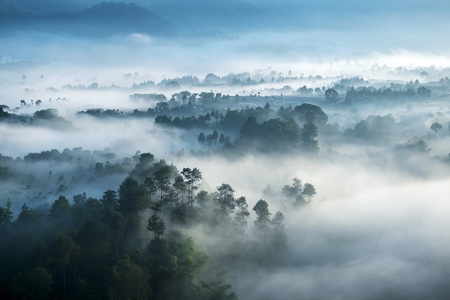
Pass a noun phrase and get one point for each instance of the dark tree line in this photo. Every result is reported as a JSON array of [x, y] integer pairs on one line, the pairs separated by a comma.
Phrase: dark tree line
[[132, 243]]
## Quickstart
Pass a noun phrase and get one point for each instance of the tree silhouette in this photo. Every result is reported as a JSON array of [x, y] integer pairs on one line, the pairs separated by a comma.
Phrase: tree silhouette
[[262, 221], [331, 96]]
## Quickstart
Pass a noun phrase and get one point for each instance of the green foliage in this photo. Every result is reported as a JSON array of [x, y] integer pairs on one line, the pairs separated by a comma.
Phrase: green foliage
[[436, 127], [375, 129], [331, 96], [62, 250], [6, 215], [271, 135], [215, 291], [144, 166], [309, 191], [156, 225], [173, 264], [180, 185], [224, 199], [242, 214], [132, 197], [28, 216], [162, 178], [191, 176], [278, 237], [304, 112], [309, 135], [201, 138], [262, 221], [47, 114], [129, 281], [295, 192], [50, 117], [94, 242], [423, 92], [35, 283], [110, 200], [59, 211], [188, 259], [96, 247]]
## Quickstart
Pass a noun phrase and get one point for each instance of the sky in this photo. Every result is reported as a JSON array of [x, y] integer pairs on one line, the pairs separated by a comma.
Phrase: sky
[[281, 32]]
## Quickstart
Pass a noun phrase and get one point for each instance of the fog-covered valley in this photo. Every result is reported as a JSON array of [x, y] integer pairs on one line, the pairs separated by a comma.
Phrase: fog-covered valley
[[232, 157]]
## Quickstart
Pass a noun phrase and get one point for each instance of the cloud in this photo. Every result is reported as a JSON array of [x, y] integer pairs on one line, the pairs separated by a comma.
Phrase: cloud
[[368, 234]]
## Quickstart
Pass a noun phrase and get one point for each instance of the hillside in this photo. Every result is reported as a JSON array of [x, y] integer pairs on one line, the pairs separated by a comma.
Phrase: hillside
[[103, 19]]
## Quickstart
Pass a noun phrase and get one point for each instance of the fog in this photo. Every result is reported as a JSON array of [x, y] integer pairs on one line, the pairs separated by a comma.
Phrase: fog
[[376, 229], [371, 232]]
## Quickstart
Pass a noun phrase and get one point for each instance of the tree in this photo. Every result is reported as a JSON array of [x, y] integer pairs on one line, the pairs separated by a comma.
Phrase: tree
[[161, 108], [423, 92], [116, 223], [377, 129], [278, 238], [60, 212], [132, 197], [162, 178], [222, 139], [178, 214], [79, 198], [301, 112], [215, 136], [242, 214], [250, 129], [36, 283], [181, 186], [331, 96], [191, 176], [216, 290], [436, 127], [93, 240], [262, 221], [144, 166], [206, 204], [309, 191], [224, 198], [295, 191], [129, 281], [6, 215], [28, 216], [156, 225], [109, 200], [151, 186], [201, 138], [63, 248], [309, 135]]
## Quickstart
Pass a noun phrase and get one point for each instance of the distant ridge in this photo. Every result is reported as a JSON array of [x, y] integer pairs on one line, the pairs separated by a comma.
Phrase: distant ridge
[[104, 19], [213, 14]]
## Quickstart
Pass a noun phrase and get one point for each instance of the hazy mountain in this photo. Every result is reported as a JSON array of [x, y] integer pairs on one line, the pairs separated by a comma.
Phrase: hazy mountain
[[48, 7], [100, 20], [191, 15], [212, 15]]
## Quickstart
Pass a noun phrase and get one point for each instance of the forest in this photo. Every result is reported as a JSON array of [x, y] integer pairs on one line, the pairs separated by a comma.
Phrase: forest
[[82, 223], [233, 149]]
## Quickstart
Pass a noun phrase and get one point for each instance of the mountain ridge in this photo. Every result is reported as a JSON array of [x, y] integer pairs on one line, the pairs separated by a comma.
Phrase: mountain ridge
[[104, 19]]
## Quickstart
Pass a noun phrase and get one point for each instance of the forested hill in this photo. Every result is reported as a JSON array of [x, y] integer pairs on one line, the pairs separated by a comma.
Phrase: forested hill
[[103, 19], [135, 241]]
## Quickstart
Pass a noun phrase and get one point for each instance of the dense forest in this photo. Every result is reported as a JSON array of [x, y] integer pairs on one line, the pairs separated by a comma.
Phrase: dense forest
[[234, 149], [133, 242], [249, 185]]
